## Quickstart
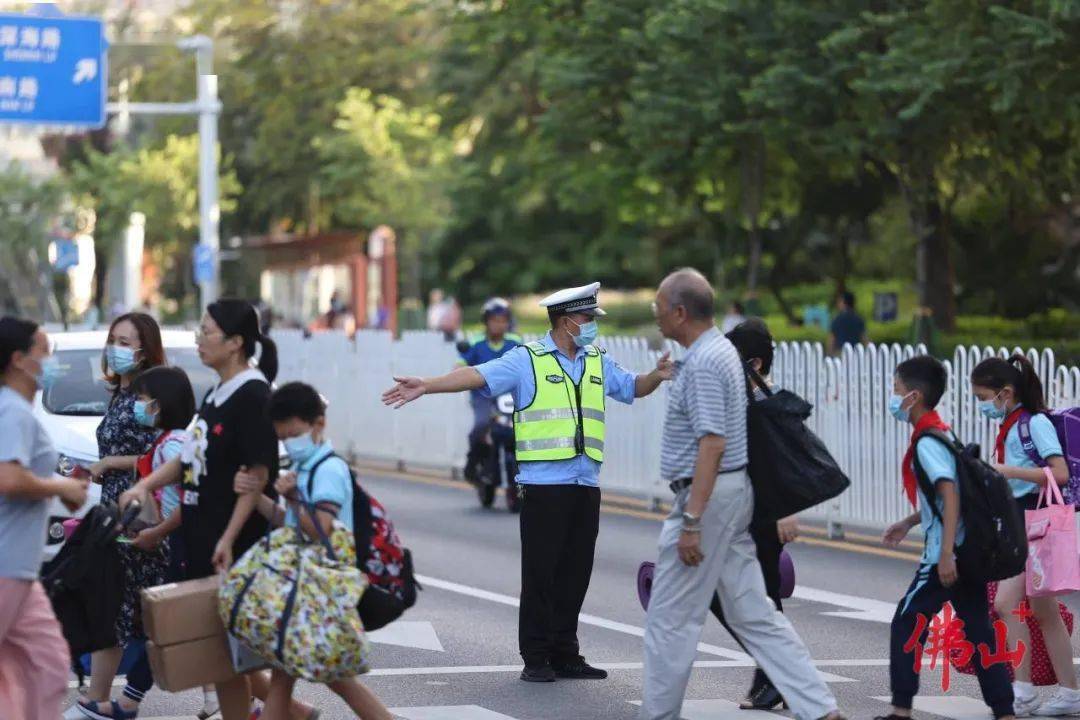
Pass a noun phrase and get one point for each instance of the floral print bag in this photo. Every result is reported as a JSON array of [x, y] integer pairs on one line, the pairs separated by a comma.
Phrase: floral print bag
[[294, 603]]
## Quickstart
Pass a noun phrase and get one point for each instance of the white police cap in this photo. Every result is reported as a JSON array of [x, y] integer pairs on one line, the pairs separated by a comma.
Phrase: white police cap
[[575, 300]]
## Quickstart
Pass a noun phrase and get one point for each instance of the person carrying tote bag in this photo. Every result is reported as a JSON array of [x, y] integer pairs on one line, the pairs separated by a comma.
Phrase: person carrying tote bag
[[1053, 564], [294, 602]]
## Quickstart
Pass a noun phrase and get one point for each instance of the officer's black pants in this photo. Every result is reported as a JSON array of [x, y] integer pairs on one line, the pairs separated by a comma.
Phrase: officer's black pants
[[559, 524], [768, 545]]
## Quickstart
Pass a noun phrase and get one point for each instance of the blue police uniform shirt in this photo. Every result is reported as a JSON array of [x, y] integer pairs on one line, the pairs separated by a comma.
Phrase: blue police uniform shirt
[[484, 351], [333, 483], [940, 466], [1046, 442], [513, 373]]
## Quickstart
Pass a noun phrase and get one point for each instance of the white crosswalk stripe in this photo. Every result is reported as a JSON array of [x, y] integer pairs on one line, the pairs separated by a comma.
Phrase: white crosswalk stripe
[[955, 707], [449, 712], [720, 710]]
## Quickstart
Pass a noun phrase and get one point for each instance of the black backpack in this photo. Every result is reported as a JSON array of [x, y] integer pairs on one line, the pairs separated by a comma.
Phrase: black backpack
[[995, 540], [382, 601], [790, 467]]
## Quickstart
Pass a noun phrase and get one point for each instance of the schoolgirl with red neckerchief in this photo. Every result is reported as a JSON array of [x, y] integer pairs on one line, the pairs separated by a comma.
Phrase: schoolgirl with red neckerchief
[[1010, 391]]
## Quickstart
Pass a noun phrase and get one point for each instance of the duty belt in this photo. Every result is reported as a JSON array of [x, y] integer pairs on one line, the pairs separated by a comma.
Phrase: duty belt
[[677, 486]]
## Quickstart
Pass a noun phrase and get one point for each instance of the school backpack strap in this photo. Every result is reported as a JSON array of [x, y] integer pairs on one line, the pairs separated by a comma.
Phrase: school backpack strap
[[952, 443], [361, 508], [1023, 427]]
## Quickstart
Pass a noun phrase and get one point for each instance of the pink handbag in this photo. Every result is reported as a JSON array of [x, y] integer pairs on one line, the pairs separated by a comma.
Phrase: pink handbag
[[1053, 564]]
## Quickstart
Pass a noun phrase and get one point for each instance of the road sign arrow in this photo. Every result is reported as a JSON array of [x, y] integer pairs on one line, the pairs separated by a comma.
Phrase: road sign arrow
[[85, 71]]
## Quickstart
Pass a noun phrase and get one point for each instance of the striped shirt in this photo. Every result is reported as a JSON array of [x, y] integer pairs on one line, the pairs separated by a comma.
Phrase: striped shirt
[[707, 397]]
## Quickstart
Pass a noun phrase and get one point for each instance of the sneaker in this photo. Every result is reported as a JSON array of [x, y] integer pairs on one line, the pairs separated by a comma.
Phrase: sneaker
[[578, 669], [1025, 705], [1063, 702], [74, 713]]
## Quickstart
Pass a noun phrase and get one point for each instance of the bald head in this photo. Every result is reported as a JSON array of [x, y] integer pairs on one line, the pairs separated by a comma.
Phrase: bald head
[[689, 288]]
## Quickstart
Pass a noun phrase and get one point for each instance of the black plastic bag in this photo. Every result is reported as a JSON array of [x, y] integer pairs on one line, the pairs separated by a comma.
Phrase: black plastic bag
[[790, 467]]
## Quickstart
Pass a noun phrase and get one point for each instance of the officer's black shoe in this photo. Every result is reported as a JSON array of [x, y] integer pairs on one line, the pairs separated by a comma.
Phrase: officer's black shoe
[[538, 673], [578, 669]]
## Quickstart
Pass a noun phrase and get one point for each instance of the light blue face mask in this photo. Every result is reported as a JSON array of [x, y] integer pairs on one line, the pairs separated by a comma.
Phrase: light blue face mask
[[896, 408], [121, 360], [300, 447], [989, 409], [142, 416], [50, 372], [587, 333]]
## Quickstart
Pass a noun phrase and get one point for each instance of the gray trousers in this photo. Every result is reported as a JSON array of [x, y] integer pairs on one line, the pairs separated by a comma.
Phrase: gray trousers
[[680, 604]]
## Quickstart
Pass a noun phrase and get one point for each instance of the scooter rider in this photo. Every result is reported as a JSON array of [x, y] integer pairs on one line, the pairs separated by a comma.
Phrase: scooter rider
[[495, 343]]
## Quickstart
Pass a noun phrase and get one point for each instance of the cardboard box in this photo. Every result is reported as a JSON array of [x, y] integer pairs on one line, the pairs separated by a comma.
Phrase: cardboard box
[[191, 664], [182, 612]]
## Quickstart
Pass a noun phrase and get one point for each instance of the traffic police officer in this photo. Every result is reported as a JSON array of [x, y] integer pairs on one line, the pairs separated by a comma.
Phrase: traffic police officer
[[559, 385]]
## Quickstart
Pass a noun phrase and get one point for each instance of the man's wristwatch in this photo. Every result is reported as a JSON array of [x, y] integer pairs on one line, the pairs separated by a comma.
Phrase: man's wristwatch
[[691, 523]]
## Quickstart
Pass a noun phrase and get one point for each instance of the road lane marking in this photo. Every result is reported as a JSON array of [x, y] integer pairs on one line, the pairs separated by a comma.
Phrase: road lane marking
[[449, 712], [612, 509], [593, 620], [957, 707], [719, 710], [860, 608], [612, 666], [408, 633]]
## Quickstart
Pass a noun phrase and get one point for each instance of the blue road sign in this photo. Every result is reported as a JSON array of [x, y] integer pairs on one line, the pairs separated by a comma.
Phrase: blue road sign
[[67, 254], [202, 260], [53, 70]]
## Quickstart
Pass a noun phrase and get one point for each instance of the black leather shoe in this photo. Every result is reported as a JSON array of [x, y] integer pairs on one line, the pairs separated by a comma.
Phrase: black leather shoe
[[578, 670], [766, 698], [538, 673]]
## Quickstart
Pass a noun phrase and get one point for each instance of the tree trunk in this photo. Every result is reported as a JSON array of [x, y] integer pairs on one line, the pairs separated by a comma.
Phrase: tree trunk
[[753, 180], [933, 259], [843, 261]]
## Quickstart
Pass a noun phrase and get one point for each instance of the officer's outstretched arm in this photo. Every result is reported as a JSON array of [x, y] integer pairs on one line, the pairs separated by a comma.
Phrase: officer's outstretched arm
[[408, 389]]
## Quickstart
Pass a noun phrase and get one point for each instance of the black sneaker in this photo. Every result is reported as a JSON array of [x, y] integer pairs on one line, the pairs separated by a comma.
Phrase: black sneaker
[[578, 669], [538, 673]]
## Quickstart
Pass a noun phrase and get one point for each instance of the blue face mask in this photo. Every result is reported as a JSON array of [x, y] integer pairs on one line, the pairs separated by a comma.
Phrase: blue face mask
[[896, 408], [49, 373], [989, 409], [587, 333], [121, 360], [142, 416], [299, 448]]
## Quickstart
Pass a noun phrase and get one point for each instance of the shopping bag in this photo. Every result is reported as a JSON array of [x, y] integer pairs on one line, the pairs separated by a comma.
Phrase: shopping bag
[[1042, 671], [293, 602], [1053, 564]]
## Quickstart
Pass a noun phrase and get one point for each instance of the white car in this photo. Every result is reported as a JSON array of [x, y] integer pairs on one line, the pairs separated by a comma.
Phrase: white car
[[72, 408]]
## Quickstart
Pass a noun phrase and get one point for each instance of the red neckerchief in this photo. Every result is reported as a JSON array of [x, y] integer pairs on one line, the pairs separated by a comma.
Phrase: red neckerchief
[[1003, 432], [145, 464], [929, 421]]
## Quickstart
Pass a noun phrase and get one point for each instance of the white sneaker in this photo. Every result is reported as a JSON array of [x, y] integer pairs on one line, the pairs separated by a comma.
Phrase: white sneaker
[[74, 713], [1063, 702], [1026, 705]]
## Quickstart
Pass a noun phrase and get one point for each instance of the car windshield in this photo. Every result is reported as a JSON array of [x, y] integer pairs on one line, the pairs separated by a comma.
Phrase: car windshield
[[81, 390]]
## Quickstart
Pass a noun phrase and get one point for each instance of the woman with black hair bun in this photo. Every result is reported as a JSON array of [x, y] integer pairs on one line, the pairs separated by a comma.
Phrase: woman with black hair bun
[[231, 433], [1010, 391]]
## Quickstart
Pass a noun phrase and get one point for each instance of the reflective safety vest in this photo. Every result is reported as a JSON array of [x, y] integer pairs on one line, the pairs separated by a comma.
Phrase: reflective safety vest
[[564, 419]]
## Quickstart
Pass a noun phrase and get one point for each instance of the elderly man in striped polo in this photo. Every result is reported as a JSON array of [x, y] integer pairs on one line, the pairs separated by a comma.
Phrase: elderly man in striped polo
[[705, 543]]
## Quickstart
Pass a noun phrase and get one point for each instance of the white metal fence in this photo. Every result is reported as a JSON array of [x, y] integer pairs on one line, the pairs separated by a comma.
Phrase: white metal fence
[[849, 395]]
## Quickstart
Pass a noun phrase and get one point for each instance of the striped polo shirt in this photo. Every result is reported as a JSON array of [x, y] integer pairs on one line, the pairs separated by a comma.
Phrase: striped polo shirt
[[707, 397]]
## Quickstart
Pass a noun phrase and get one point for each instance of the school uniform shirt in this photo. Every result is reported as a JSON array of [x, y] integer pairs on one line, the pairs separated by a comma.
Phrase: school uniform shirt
[[1046, 442], [332, 483], [170, 448], [940, 466], [23, 522], [231, 429], [513, 373]]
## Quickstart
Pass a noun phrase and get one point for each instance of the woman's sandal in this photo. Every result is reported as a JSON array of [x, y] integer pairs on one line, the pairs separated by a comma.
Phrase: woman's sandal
[[93, 710]]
